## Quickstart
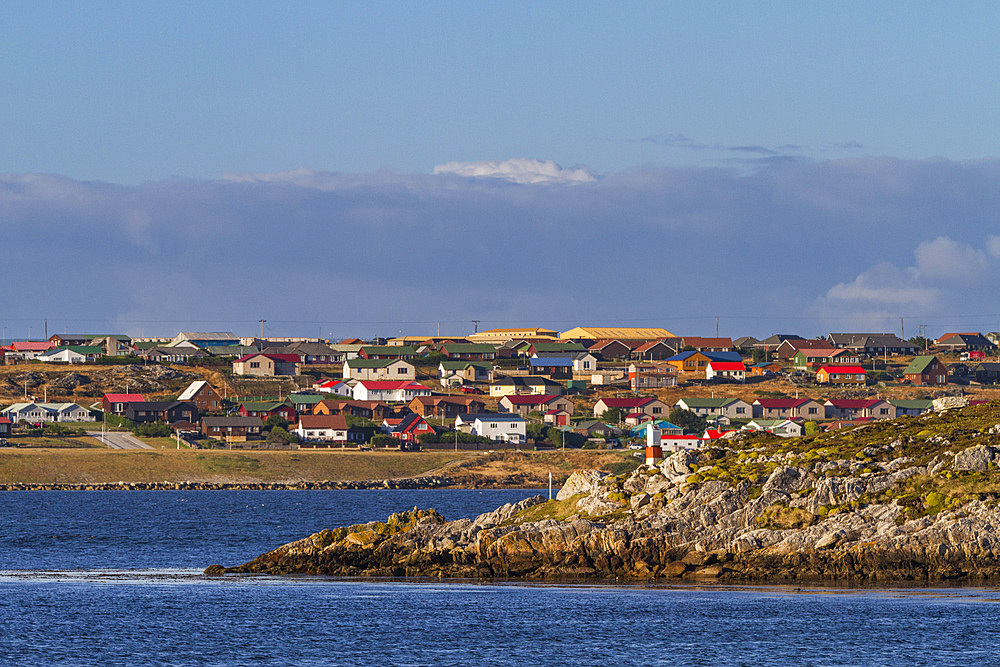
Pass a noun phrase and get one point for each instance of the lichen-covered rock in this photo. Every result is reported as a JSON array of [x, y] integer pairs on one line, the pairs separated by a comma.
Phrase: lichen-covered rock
[[976, 459], [581, 481], [949, 403], [758, 515]]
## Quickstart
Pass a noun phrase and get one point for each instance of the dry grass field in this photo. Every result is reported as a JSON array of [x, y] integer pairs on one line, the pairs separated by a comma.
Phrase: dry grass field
[[101, 466]]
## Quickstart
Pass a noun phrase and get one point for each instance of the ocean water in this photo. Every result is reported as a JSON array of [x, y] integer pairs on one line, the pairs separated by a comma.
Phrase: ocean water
[[113, 578]]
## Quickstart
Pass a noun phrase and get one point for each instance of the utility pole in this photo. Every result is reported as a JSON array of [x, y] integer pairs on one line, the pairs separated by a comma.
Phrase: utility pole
[[902, 331], [262, 328], [716, 326], [475, 326]]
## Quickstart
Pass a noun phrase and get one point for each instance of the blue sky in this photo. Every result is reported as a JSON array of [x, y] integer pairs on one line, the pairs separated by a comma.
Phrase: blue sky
[[133, 91], [854, 141]]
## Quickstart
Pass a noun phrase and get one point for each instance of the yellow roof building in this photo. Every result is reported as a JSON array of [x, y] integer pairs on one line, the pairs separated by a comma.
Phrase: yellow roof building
[[504, 335], [621, 333]]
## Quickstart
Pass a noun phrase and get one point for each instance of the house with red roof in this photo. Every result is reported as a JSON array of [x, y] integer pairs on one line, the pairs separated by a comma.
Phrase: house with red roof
[[788, 408], [859, 408], [267, 364], [117, 403], [28, 349], [391, 391], [337, 387], [406, 429], [730, 370], [522, 404], [5, 426], [841, 375], [653, 407]]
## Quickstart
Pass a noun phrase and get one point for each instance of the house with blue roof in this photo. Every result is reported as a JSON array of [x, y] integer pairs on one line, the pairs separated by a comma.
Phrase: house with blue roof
[[551, 367]]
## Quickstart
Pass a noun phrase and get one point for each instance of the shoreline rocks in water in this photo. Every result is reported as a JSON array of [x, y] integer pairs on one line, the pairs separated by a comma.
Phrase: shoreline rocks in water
[[906, 510], [512, 481]]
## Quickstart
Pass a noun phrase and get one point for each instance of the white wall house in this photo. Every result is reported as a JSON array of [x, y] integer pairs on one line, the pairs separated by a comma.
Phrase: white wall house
[[47, 412], [335, 387], [388, 391], [378, 369], [584, 362], [503, 428], [495, 426]]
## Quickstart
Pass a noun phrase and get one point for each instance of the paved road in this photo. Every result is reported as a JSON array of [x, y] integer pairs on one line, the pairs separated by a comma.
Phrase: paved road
[[118, 440]]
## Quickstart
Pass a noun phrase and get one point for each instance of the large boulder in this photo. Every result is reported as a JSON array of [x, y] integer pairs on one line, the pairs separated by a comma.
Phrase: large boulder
[[949, 403], [581, 481], [976, 459]]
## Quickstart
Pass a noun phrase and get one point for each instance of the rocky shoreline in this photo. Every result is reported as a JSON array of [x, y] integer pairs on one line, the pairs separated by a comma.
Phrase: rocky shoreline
[[856, 507], [513, 481]]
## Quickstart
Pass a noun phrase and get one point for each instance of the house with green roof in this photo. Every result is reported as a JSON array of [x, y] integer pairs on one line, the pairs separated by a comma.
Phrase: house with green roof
[[469, 351], [734, 408], [465, 371], [913, 407], [378, 369], [926, 370]]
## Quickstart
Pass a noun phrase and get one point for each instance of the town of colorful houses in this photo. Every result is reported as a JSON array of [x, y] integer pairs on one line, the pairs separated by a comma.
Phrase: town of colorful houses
[[606, 385]]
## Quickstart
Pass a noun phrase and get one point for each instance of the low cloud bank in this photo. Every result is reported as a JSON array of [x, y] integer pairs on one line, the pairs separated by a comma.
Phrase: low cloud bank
[[806, 247]]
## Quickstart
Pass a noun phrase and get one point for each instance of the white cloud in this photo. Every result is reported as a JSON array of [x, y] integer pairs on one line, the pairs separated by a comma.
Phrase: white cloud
[[946, 259], [518, 170], [993, 246], [885, 284]]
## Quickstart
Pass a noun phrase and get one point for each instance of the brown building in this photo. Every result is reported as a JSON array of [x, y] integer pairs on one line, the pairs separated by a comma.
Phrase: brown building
[[231, 429], [446, 406], [203, 395], [926, 370]]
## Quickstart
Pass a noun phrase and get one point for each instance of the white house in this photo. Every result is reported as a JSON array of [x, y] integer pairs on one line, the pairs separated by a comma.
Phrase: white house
[[733, 370], [378, 369], [36, 413], [70, 355], [584, 362], [676, 443], [386, 390], [315, 429], [501, 427], [783, 428], [337, 387]]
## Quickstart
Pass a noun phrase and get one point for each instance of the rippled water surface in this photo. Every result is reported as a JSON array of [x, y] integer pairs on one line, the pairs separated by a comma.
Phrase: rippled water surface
[[114, 578]]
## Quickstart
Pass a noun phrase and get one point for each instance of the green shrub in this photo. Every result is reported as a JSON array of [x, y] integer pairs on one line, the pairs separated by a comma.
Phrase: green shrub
[[382, 440]]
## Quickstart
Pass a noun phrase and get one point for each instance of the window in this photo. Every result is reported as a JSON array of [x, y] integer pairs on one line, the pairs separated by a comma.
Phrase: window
[[657, 411], [254, 364], [812, 411], [740, 411], [400, 371], [884, 411]]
